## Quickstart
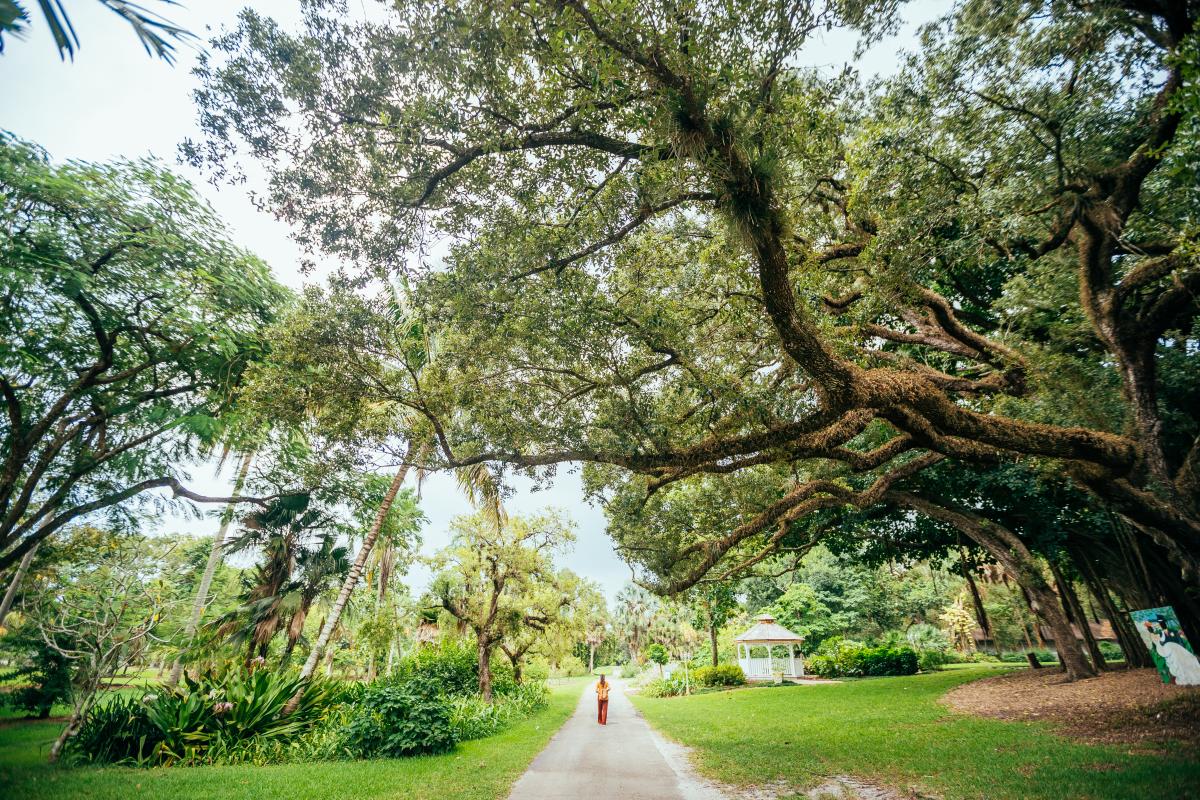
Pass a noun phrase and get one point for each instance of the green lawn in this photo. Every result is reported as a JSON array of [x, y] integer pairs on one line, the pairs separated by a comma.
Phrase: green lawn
[[892, 731], [479, 770]]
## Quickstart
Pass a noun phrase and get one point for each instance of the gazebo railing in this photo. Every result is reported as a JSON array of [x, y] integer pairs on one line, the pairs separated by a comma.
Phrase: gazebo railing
[[763, 667]]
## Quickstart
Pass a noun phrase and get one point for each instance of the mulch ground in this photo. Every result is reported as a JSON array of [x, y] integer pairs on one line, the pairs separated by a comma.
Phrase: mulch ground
[[1119, 707]]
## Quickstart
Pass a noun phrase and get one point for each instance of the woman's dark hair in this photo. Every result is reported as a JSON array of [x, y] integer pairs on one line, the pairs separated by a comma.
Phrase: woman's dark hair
[[602, 680]]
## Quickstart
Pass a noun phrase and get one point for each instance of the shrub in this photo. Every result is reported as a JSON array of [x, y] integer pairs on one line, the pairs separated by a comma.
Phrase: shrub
[[234, 718], [720, 675], [46, 675], [473, 718], [839, 658], [664, 687], [118, 731], [929, 660], [571, 667], [231, 718], [452, 664], [400, 719], [1044, 656], [537, 670]]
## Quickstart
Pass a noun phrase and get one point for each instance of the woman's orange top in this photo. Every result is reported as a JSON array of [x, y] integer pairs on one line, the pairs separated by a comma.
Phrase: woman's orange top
[[602, 690]]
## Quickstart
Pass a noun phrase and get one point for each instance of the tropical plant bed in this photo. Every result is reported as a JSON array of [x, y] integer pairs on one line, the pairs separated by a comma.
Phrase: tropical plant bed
[[477, 770], [1122, 706], [894, 733]]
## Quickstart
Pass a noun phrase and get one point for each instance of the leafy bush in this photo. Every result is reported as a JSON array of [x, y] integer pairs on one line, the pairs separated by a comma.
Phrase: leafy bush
[[839, 658], [117, 731], [43, 680], [664, 687], [400, 719], [929, 660], [473, 718], [720, 675], [452, 664], [537, 670], [229, 719]]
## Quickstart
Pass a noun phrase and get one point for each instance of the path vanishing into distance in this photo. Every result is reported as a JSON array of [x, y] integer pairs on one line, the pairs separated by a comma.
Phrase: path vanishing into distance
[[624, 759]]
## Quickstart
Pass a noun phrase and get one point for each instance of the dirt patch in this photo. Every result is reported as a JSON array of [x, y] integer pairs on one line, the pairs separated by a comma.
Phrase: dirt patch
[[843, 787], [1119, 707]]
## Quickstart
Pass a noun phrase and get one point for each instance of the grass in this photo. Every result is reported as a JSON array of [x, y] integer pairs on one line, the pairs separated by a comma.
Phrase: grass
[[478, 770], [893, 732]]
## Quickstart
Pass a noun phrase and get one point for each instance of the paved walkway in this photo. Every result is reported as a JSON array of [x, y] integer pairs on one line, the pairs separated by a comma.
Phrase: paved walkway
[[623, 759]]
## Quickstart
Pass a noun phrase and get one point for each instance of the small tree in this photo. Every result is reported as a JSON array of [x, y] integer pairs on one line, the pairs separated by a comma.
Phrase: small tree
[[658, 654], [714, 605], [487, 575], [97, 615]]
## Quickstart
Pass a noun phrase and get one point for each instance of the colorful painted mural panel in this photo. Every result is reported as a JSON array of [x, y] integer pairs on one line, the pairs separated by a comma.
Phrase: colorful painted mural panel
[[1169, 647]]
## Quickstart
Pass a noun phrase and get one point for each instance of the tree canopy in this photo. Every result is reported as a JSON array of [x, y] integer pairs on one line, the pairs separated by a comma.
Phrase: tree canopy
[[671, 253], [128, 320]]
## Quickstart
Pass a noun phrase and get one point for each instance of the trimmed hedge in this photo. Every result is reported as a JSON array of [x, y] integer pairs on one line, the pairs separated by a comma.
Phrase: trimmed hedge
[[720, 675]]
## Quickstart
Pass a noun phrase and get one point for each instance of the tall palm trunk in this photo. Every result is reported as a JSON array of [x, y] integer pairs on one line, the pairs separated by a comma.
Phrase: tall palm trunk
[[215, 556], [335, 613], [15, 583]]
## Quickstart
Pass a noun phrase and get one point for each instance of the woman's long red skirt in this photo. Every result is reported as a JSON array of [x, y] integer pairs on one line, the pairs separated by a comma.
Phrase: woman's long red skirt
[[602, 712]]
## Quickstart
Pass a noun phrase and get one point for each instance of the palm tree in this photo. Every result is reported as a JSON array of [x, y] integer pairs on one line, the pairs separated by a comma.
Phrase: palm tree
[[320, 569], [635, 613], [156, 33], [279, 531], [398, 537]]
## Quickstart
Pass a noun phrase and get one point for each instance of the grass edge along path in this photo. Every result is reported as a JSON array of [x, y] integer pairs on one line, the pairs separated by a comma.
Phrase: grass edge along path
[[484, 769], [894, 733]]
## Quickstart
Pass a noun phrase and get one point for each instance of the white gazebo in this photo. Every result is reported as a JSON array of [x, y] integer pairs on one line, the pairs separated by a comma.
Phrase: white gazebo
[[766, 634]]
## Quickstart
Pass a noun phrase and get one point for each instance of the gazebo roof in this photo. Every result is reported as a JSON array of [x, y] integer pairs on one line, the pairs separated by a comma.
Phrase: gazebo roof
[[766, 631]]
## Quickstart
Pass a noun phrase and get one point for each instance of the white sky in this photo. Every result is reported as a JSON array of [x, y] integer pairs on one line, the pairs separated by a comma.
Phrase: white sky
[[115, 101]]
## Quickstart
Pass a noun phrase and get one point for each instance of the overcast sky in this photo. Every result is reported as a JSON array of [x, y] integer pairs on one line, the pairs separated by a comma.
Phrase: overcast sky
[[114, 101]]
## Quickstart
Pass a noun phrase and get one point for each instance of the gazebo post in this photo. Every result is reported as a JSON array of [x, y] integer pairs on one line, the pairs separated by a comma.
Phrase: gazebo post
[[792, 660], [770, 663]]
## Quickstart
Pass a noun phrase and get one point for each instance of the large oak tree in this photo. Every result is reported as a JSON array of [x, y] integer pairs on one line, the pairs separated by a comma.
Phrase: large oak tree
[[666, 250]]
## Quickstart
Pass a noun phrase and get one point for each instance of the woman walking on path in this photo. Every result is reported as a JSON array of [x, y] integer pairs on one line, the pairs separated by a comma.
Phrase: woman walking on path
[[602, 700]]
